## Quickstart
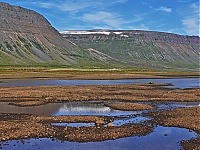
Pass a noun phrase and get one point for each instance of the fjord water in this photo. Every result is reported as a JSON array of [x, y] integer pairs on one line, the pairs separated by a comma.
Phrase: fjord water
[[176, 82]]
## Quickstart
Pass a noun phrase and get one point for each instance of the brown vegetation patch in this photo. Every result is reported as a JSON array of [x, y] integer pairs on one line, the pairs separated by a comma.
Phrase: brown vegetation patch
[[16, 126], [70, 119], [95, 134], [28, 103], [129, 106], [193, 144], [181, 117], [129, 92]]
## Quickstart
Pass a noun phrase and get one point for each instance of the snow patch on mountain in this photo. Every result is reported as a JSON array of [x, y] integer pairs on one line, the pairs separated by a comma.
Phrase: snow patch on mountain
[[85, 32]]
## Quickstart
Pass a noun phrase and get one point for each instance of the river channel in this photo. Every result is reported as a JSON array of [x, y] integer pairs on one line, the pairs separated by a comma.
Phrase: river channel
[[154, 141]]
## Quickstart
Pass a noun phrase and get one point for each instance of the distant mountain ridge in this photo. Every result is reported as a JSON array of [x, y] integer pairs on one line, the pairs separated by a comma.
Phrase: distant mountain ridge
[[141, 48]]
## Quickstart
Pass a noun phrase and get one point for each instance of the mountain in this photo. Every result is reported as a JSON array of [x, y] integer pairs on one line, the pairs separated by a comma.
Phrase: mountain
[[27, 38], [141, 48]]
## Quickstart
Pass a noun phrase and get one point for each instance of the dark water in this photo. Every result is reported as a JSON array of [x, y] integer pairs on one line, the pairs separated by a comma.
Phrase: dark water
[[163, 138], [177, 82]]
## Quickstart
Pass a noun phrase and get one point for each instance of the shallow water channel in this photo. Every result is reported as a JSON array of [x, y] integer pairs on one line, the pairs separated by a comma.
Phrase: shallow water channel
[[164, 138]]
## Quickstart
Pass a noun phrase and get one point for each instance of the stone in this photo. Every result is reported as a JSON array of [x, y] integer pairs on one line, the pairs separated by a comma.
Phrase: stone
[[99, 122], [110, 125]]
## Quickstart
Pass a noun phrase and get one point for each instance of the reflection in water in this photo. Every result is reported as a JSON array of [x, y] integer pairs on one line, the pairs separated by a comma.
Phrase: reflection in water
[[48, 109], [171, 105], [128, 120], [164, 138], [86, 108], [90, 108]]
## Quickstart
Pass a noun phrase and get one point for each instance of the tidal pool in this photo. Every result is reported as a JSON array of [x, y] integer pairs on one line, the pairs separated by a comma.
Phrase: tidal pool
[[164, 138], [86, 108]]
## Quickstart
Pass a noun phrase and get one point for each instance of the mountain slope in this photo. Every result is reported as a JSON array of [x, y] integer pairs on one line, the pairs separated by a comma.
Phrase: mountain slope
[[27, 38], [141, 48]]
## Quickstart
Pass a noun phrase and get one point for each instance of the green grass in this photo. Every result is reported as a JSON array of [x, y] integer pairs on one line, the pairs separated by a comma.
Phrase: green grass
[[33, 72], [135, 53]]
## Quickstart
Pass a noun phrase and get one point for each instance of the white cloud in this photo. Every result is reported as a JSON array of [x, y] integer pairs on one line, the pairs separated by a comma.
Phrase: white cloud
[[190, 20], [162, 8], [40, 4], [191, 26], [110, 20], [138, 27], [72, 7], [165, 9], [105, 18], [75, 6]]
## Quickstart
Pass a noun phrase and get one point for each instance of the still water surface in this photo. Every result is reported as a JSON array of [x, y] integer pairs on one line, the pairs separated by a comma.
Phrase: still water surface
[[83, 108], [176, 82]]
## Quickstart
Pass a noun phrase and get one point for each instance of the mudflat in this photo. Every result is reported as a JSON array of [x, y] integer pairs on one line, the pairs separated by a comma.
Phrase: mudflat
[[23, 126]]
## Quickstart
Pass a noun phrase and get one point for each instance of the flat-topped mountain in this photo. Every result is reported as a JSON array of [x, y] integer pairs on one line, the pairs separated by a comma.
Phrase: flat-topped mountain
[[141, 48]]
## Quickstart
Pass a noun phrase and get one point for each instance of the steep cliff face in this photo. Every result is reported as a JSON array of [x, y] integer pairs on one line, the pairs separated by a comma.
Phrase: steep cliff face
[[141, 48], [27, 38]]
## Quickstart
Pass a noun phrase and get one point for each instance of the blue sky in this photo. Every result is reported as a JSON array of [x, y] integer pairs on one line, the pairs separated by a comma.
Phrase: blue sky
[[174, 16]]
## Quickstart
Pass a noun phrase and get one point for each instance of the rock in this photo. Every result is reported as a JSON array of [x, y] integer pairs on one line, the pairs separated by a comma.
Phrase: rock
[[110, 125], [49, 98], [99, 122]]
